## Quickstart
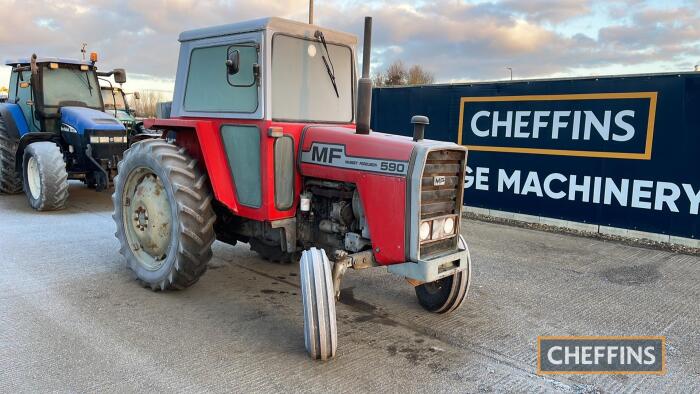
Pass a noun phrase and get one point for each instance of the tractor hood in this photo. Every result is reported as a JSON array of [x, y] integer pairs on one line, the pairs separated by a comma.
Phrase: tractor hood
[[80, 119]]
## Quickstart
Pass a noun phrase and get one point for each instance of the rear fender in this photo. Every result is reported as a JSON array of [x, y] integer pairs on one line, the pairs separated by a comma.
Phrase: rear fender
[[202, 142], [14, 119]]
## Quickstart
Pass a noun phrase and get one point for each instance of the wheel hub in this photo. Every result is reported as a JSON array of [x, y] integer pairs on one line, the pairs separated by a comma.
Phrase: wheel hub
[[33, 177], [147, 216], [141, 218]]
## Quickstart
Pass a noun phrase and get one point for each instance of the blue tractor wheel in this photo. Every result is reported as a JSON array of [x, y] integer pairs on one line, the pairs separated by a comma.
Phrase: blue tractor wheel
[[10, 179], [45, 176]]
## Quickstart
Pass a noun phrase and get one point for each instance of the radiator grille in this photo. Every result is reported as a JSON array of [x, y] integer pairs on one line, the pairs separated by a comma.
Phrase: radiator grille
[[108, 150], [441, 195]]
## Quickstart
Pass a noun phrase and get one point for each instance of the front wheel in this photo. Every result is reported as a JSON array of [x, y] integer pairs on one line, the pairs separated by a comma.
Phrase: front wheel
[[45, 176], [446, 294], [163, 213], [320, 332]]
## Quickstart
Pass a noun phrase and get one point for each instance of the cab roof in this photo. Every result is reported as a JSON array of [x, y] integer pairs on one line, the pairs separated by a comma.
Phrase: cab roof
[[25, 61], [272, 23]]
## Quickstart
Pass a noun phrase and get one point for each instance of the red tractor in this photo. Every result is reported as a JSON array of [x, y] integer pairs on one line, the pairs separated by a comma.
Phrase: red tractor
[[268, 142]]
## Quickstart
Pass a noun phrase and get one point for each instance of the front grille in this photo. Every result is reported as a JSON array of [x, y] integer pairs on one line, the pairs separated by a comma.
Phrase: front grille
[[441, 195], [107, 145]]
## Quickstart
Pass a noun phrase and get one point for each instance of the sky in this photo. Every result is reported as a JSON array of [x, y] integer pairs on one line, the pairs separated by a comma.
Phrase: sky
[[457, 40]]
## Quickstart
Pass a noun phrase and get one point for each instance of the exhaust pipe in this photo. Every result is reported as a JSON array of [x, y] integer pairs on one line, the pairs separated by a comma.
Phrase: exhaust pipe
[[364, 88]]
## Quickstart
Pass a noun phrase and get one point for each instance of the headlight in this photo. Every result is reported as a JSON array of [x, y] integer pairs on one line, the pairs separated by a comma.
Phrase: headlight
[[436, 229], [424, 231], [449, 226], [107, 140]]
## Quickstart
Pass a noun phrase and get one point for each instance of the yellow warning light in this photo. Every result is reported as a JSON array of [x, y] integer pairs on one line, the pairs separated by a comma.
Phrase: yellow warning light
[[93, 57], [83, 67], [53, 66]]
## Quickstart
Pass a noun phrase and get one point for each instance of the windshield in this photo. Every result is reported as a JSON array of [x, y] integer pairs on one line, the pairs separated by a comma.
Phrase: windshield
[[301, 87], [113, 101], [70, 86]]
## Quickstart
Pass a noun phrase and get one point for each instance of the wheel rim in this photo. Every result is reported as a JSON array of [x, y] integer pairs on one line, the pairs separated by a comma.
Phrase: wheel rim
[[33, 177], [147, 218]]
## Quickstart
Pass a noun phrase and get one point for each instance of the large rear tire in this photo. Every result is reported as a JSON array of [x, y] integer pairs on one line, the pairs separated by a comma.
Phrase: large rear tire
[[10, 179], [271, 251], [164, 215], [320, 331], [45, 177]]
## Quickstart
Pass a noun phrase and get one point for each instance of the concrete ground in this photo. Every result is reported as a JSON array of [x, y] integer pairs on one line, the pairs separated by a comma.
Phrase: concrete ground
[[72, 319]]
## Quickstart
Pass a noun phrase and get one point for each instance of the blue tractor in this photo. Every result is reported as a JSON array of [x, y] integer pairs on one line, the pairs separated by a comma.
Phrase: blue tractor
[[53, 128]]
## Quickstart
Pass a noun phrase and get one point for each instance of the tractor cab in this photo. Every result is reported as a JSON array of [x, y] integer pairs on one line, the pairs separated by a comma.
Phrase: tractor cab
[[269, 68], [116, 104], [42, 86], [54, 117]]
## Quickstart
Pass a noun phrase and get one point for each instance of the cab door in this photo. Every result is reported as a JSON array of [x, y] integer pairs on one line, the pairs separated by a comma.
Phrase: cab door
[[21, 91]]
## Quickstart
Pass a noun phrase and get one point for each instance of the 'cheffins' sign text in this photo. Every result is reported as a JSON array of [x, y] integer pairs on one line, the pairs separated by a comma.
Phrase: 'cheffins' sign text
[[610, 125]]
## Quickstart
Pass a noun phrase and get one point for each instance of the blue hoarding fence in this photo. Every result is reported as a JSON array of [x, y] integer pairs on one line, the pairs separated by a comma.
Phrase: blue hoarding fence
[[622, 152]]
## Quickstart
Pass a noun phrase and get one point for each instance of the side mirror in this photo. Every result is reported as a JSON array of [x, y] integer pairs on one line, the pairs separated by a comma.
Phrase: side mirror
[[137, 95], [119, 75], [233, 63]]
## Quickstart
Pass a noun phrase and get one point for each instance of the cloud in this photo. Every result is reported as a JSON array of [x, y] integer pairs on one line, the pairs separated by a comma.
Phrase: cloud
[[455, 39], [553, 11]]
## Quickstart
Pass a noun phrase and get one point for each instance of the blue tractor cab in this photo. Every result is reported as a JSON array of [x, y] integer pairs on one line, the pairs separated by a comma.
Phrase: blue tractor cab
[[53, 128]]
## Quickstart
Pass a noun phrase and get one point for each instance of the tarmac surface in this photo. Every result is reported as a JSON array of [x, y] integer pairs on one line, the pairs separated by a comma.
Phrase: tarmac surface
[[72, 319]]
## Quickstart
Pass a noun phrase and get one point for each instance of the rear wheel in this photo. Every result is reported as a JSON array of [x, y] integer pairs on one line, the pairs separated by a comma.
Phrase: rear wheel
[[320, 331], [163, 213], [45, 176], [10, 179], [271, 251]]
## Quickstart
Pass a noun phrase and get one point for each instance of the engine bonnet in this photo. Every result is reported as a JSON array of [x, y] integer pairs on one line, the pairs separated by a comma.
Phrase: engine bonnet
[[81, 119]]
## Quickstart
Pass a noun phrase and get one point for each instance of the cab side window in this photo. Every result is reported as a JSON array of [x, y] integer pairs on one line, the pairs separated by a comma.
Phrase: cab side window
[[212, 86]]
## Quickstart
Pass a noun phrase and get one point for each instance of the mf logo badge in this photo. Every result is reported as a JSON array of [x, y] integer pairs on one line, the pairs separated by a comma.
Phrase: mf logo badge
[[334, 155], [439, 180]]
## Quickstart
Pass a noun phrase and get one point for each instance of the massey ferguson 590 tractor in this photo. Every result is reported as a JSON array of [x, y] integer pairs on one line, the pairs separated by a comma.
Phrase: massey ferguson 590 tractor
[[264, 146]]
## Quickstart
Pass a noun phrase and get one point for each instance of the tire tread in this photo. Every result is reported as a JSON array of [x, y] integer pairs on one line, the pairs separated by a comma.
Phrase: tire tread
[[196, 215], [10, 178], [53, 174]]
